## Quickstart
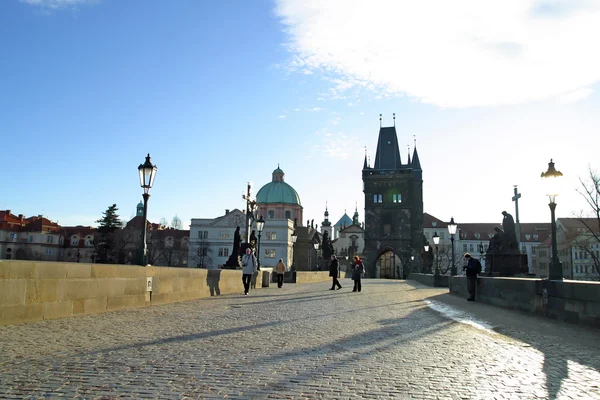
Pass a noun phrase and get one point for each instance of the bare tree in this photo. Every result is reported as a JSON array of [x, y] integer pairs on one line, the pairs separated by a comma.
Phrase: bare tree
[[163, 223], [589, 241], [201, 258], [176, 223]]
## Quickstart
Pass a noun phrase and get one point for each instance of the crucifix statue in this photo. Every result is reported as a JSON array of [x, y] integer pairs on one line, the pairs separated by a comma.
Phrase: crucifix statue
[[516, 198], [250, 209]]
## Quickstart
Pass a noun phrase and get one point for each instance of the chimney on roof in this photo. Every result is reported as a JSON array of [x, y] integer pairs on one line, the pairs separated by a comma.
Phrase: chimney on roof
[[8, 211], [21, 217], [40, 216], [226, 211]]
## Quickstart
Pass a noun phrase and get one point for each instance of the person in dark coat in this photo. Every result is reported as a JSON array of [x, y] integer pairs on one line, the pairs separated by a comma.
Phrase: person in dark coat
[[358, 269], [333, 272], [472, 268]]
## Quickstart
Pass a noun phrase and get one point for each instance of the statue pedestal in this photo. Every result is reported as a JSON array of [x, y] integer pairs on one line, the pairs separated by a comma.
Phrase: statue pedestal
[[505, 264], [233, 262]]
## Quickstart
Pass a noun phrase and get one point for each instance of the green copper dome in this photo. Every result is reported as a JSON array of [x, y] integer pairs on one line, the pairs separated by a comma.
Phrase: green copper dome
[[277, 191]]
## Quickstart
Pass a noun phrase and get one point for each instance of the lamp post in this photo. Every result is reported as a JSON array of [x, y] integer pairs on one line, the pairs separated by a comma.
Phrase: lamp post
[[260, 224], [452, 231], [436, 241], [426, 248], [147, 173], [316, 244], [550, 177], [294, 238]]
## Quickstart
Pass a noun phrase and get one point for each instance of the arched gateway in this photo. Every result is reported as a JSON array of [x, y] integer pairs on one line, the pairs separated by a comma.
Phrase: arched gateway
[[393, 208]]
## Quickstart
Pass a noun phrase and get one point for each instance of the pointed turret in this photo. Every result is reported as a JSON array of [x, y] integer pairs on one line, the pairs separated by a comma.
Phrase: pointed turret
[[416, 164], [355, 217], [365, 163], [408, 163], [388, 154]]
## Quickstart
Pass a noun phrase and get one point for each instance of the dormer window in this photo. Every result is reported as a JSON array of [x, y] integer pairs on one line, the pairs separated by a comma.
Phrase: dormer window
[[490, 235], [535, 237], [477, 235], [527, 236], [434, 224]]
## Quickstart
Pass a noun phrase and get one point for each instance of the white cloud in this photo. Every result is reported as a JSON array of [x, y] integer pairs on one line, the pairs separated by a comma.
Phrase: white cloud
[[450, 53], [315, 109], [282, 116], [575, 96], [296, 109], [55, 4]]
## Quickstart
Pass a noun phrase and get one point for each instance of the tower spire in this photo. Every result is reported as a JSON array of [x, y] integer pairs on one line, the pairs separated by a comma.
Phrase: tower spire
[[394, 120], [408, 148], [380, 120], [365, 166]]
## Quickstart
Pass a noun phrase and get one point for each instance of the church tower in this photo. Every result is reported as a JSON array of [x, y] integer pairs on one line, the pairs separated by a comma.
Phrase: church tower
[[140, 210], [393, 208], [326, 224]]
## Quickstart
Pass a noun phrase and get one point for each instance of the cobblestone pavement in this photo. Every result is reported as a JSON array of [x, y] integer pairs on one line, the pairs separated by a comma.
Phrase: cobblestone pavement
[[304, 341]]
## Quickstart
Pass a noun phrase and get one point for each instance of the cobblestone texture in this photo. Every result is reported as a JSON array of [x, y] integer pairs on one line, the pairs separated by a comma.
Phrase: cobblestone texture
[[302, 341]]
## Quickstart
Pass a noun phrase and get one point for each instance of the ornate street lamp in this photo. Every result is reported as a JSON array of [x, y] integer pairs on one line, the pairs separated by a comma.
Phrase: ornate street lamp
[[436, 241], [316, 244], [550, 177], [294, 238], [260, 224], [147, 173], [425, 258], [452, 231]]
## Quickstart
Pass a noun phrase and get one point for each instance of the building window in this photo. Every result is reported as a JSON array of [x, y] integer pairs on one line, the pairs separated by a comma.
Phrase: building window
[[89, 243], [270, 253], [169, 242], [527, 236], [535, 237], [464, 247], [471, 247], [271, 236], [202, 234], [184, 243], [74, 241], [224, 234], [271, 214], [223, 251], [396, 198], [49, 239], [442, 235], [477, 236], [30, 239], [377, 198], [48, 252], [288, 214]]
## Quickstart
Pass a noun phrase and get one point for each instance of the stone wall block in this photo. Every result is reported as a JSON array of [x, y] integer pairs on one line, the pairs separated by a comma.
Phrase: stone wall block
[[119, 303], [79, 270], [16, 270], [21, 313], [42, 290], [49, 270], [12, 292], [58, 309]]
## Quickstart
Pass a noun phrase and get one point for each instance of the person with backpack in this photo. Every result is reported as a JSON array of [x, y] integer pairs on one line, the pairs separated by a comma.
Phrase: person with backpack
[[357, 272], [472, 268]]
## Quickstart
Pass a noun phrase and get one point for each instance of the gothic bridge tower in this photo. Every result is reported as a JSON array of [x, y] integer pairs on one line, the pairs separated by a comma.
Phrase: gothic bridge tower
[[393, 209]]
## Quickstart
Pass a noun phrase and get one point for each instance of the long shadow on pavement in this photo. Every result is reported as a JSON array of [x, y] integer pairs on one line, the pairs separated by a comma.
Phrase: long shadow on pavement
[[552, 338]]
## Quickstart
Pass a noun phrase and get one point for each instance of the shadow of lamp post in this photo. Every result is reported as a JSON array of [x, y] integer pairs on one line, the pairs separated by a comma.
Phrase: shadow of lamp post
[[294, 238], [147, 173], [550, 177], [260, 224], [436, 241], [452, 231]]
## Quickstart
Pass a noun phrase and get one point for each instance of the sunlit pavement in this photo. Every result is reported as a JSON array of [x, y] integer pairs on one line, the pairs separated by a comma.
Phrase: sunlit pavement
[[394, 340]]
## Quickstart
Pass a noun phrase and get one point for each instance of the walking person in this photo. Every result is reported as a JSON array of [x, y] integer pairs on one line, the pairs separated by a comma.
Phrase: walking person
[[472, 268], [333, 272], [249, 268], [280, 269], [357, 271]]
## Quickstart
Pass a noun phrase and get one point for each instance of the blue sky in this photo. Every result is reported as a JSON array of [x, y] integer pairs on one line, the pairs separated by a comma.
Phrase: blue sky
[[221, 92]]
